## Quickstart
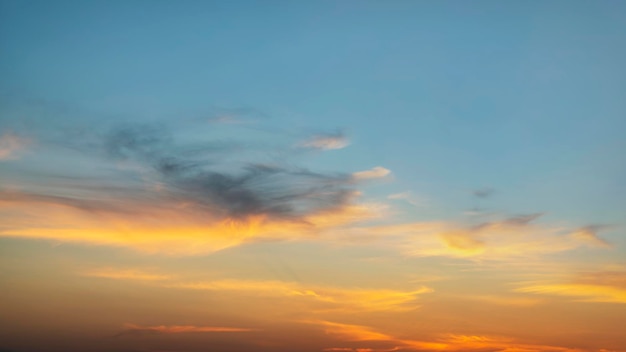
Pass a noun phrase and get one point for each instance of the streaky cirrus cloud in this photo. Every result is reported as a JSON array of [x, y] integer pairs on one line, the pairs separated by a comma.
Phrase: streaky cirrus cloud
[[505, 239], [339, 298], [328, 141], [11, 145], [126, 274], [580, 292], [599, 286], [589, 234], [139, 330], [408, 197]]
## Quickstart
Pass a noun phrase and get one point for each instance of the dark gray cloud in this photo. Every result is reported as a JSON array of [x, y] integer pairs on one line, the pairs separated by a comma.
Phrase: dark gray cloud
[[192, 162], [197, 175]]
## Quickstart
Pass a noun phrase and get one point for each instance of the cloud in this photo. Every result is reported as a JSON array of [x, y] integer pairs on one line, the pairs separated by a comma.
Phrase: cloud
[[589, 235], [586, 293], [181, 200], [443, 342], [374, 173], [138, 330], [408, 197], [506, 239], [241, 115], [349, 349], [350, 299], [166, 225], [11, 145], [126, 274], [602, 286], [329, 141], [504, 300], [252, 189], [483, 192]]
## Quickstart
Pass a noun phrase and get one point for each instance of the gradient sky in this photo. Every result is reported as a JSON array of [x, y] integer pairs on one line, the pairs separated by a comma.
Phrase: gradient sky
[[331, 176]]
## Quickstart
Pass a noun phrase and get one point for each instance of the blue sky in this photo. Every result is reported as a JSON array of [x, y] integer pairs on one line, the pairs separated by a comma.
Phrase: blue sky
[[524, 100]]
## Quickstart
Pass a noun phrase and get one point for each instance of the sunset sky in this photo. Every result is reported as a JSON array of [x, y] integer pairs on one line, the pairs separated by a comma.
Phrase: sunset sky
[[315, 176]]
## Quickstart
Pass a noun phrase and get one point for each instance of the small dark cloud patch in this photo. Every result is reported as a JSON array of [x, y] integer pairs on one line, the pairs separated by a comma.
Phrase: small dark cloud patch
[[522, 220], [483, 193]]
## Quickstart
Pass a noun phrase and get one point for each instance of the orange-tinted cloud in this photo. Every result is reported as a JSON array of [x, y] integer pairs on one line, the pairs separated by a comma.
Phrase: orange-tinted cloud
[[510, 238], [167, 227], [587, 293], [602, 286], [126, 274], [444, 342], [132, 329], [351, 299]]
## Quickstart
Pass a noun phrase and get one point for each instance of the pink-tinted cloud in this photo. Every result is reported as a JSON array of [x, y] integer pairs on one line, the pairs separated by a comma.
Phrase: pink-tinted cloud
[[374, 173], [326, 142]]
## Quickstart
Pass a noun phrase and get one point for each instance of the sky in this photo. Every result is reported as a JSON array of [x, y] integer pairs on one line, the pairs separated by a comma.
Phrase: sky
[[315, 176]]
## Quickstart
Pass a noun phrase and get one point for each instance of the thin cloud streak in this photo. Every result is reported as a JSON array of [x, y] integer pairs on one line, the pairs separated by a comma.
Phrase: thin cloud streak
[[351, 299], [138, 330], [126, 274], [601, 286], [585, 293], [329, 141]]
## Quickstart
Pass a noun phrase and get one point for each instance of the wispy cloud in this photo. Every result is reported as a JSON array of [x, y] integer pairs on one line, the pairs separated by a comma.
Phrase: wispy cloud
[[588, 293], [408, 197], [11, 145], [374, 173], [509, 238], [603, 286], [139, 330], [126, 274], [353, 299], [329, 141], [589, 235]]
